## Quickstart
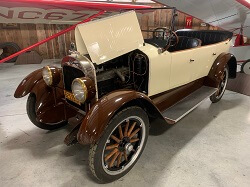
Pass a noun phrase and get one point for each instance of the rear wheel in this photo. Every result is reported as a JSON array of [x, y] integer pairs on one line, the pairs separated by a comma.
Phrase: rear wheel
[[121, 145], [31, 111], [221, 88]]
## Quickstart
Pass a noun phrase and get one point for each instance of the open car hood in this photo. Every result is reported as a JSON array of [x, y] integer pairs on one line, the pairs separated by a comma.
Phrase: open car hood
[[110, 37]]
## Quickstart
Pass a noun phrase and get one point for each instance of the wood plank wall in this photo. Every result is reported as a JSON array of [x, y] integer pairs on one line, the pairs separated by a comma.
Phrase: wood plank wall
[[28, 34], [162, 18]]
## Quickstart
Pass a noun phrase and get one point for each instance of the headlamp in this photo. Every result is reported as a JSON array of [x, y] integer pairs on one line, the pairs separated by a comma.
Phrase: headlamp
[[47, 75], [51, 75], [79, 90]]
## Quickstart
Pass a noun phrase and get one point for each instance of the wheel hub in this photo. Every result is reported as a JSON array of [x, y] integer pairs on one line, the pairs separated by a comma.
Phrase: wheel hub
[[121, 151], [129, 147], [123, 143]]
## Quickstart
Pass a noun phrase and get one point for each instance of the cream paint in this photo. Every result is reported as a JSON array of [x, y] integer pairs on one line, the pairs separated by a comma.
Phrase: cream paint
[[80, 45], [170, 70], [109, 37], [159, 69], [114, 36]]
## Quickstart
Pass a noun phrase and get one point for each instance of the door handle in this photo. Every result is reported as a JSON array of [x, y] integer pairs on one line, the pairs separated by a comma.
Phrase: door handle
[[214, 54], [191, 60]]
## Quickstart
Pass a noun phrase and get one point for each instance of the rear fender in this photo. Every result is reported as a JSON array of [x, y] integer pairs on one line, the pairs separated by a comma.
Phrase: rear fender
[[215, 74], [105, 108]]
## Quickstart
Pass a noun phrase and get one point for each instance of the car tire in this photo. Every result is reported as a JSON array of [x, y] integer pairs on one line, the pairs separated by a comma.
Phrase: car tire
[[31, 106], [15, 48], [222, 87], [127, 152], [245, 67]]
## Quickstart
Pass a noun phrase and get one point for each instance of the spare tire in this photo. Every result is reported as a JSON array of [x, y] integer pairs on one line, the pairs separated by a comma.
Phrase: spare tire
[[9, 48]]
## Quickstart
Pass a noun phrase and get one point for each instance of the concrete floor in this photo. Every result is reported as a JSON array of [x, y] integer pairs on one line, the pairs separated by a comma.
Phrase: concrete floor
[[209, 147]]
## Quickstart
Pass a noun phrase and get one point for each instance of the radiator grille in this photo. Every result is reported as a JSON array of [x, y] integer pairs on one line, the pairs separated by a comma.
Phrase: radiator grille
[[69, 74]]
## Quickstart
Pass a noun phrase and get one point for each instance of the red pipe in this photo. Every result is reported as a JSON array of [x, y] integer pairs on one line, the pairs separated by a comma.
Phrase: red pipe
[[70, 4], [51, 37]]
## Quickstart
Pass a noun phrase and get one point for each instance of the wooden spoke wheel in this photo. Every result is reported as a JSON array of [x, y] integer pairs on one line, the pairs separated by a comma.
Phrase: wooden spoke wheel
[[221, 87], [121, 145]]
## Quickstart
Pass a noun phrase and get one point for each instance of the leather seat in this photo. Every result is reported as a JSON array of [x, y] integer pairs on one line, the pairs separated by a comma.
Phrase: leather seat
[[185, 43], [206, 36]]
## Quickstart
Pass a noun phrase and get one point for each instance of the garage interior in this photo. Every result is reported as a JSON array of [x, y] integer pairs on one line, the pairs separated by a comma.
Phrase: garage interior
[[209, 147]]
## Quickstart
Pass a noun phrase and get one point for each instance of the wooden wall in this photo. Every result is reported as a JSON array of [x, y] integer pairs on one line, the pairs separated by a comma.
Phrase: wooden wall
[[28, 34], [162, 18]]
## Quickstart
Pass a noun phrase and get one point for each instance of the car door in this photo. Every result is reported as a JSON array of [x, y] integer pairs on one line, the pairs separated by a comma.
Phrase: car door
[[202, 59], [180, 73]]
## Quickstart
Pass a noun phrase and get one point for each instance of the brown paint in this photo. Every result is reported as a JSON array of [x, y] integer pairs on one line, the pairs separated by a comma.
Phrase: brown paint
[[50, 103], [215, 74], [28, 83], [71, 138], [56, 75], [52, 107], [104, 109], [166, 99], [101, 112], [90, 87]]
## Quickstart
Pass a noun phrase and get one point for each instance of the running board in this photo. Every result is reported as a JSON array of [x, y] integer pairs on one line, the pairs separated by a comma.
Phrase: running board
[[187, 104]]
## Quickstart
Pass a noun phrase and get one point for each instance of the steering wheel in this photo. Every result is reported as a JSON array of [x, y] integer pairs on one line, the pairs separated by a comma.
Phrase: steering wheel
[[160, 33], [172, 39], [163, 33]]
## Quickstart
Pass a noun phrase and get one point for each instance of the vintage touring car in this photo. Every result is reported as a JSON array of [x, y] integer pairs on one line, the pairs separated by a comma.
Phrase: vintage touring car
[[116, 82]]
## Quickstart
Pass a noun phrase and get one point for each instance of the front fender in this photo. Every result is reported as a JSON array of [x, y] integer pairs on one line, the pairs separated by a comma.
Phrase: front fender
[[28, 83], [50, 103], [103, 110]]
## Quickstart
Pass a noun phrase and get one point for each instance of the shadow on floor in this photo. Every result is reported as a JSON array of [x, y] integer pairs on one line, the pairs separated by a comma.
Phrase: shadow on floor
[[175, 138]]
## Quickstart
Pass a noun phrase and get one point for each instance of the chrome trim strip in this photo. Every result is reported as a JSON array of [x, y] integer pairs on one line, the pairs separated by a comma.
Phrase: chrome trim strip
[[88, 69]]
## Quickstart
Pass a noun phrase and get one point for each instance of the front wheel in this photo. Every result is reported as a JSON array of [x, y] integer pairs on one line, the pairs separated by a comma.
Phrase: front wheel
[[221, 88], [31, 111], [121, 145]]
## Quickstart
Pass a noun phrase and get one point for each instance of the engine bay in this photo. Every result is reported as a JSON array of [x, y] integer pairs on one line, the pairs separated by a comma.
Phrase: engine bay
[[129, 71]]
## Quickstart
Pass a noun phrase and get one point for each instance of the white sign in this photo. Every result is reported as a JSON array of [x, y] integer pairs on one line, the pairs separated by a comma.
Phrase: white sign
[[39, 15]]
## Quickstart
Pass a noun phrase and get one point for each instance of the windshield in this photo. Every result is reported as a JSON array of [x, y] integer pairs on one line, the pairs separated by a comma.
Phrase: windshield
[[155, 22]]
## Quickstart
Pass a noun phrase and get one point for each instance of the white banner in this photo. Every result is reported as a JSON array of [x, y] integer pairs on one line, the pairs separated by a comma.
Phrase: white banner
[[38, 15]]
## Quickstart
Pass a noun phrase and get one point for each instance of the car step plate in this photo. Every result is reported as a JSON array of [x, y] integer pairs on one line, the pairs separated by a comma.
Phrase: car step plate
[[186, 105]]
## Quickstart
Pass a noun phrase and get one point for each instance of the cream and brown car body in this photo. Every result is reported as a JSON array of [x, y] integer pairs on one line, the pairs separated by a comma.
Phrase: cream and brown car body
[[118, 69], [170, 76]]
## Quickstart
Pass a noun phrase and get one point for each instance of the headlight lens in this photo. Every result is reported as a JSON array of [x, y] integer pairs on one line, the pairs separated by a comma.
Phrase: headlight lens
[[79, 90], [47, 75]]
